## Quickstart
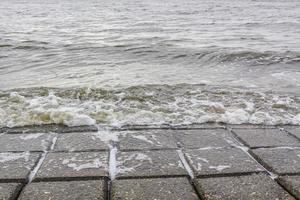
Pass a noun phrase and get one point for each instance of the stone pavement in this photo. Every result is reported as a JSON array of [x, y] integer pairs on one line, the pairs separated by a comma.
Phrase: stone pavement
[[207, 161]]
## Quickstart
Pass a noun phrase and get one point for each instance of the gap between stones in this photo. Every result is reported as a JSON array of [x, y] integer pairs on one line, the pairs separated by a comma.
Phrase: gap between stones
[[37, 166], [245, 149]]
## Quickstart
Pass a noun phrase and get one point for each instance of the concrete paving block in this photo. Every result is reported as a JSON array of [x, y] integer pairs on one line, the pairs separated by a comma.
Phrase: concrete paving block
[[17, 166], [249, 126], [293, 130], [221, 161], [252, 187], [9, 190], [266, 138], [80, 141], [147, 139], [47, 128], [26, 142], [87, 190], [71, 165], [157, 188], [292, 184], [281, 160], [149, 163], [200, 126], [204, 138]]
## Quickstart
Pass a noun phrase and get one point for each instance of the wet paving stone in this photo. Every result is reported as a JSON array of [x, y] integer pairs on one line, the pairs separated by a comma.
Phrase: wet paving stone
[[221, 161], [9, 190], [149, 163], [252, 187], [72, 165], [146, 140], [17, 166], [250, 126], [157, 188], [266, 138], [200, 126], [87, 190], [292, 184], [203, 138], [81, 141], [280, 160], [293, 130], [26, 142], [48, 128]]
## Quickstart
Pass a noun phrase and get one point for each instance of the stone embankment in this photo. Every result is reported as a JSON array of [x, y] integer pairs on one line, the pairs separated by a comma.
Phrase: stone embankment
[[208, 161]]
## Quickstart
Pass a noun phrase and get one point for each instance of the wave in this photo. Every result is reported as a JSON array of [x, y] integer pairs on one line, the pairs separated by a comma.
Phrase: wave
[[180, 104], [211, 55]]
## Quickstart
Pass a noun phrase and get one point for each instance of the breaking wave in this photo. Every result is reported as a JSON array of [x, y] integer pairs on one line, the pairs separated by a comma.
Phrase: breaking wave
[[180, 104]]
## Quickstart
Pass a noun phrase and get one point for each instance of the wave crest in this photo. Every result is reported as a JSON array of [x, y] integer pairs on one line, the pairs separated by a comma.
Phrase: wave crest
[[150, 104]]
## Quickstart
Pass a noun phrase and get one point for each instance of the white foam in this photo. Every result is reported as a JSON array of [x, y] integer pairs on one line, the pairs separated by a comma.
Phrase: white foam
[[107, 136], [185, 164], [219, 168], [112, 163], [296, 119], [31, 136], [7, 157], [41, 160], [164, 107], [78, 165], [121, 168], [143, 138]]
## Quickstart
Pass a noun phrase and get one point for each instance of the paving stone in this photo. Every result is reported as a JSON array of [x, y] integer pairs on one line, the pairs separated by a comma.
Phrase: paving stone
[[151, 139], [249, 126], [26, 142], [80, 141], [252, 187], [280, 160], [17, 166], [292, 183], [149, 163], [204, 138], [220, 161], [153, 189], [200, 126], [9, 190], [293, 130], [70, 165], [47, 128], [87, 190], [266, 137]]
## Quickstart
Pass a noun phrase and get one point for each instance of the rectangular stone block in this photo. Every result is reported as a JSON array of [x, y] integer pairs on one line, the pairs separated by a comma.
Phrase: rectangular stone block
[[157, 188], [281, 160], [204, 138], [72, 165], [89, 190], [292, 184], [48, 128], [9, 190], [17, 166], [146, 140], [80, 141], [221, 161], [200, 126], [294, 130], [266, 138], [26, 142], [249, 126], [252, 187], [149, 163]]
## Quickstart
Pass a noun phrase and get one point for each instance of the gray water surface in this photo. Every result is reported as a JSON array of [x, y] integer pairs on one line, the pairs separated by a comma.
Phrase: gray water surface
[[142, 61], [66, 43]]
